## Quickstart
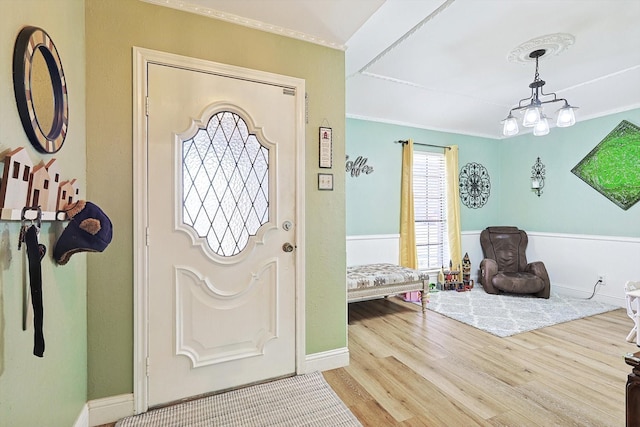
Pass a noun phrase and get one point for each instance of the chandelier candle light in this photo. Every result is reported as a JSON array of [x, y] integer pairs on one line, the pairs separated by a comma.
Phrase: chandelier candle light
[[533, 115]]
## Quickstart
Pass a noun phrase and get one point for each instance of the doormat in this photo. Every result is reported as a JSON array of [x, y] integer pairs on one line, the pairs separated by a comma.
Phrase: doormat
[[304, 400], [509, 314]]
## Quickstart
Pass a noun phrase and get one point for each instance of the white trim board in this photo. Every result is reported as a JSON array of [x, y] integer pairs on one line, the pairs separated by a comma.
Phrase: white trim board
[[108, 409], [83, 417], [327, 360]]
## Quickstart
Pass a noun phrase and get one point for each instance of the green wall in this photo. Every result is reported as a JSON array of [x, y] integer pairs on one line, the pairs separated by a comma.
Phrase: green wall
[[567, 205], [48, 391], [113, 27], [373, 201]]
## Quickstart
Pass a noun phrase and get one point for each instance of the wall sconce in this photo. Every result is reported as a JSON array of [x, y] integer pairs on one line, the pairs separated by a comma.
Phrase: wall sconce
[[537, 177]]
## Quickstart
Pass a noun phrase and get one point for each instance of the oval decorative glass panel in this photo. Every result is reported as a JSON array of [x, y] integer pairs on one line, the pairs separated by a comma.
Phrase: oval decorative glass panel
[[225, 180]]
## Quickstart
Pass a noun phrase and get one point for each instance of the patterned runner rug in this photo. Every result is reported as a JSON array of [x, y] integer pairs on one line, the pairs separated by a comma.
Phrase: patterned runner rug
[[304, 400], [509, 314]]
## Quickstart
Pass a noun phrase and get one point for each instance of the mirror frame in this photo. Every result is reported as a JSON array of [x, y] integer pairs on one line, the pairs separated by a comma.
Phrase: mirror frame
[[29, 41]]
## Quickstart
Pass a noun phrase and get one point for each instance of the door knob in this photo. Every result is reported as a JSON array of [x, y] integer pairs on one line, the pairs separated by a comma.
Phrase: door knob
[[287, 247]]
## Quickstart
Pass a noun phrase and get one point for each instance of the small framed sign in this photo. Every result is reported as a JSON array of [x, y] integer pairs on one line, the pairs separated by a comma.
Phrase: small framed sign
[[325, 181], [326, 148]]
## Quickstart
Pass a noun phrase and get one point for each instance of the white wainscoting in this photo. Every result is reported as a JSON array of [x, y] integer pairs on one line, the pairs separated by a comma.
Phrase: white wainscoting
[[373, 249], [573, 261]]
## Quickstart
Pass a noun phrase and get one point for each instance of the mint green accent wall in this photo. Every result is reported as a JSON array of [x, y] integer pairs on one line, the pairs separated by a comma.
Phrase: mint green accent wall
[[113, 27], [373, 201], [48, 391], [567, 204]]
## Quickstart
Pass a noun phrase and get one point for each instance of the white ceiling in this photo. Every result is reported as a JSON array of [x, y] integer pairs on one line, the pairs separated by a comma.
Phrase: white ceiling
[[444, 64]]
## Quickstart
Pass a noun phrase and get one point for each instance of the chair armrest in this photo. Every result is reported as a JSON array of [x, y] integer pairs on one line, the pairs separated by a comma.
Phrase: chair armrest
[[537, 268], [488, 269]]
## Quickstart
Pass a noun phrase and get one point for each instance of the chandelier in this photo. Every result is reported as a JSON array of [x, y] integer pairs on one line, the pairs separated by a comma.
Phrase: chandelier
[[533, 115]]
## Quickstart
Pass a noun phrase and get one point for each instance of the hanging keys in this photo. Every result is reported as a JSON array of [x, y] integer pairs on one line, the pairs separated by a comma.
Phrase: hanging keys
[[23, 232], [34, 219]]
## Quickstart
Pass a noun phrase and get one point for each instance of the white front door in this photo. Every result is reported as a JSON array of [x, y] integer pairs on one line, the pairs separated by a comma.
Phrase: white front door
[[223, 225]]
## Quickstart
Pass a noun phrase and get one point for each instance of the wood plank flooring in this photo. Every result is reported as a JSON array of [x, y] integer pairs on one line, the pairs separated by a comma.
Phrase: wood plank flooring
[[409, 368]]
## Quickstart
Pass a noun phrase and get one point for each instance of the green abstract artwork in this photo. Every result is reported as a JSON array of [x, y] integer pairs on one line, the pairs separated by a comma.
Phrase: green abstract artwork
[[613, 167]]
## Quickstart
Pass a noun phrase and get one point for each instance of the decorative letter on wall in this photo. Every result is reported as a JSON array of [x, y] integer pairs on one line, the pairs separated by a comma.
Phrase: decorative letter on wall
[[612, 168], [358, 166], [475, 185]]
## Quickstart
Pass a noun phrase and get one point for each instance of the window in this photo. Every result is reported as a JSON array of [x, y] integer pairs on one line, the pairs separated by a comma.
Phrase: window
[[430, 210], [25, 175], [225, 178], [16, 170]]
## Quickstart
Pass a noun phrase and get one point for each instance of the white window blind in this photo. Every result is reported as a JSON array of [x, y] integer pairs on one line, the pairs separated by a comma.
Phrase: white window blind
[[430, 210]]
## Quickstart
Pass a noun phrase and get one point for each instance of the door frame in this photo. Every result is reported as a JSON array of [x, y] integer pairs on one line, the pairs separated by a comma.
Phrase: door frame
[[142, 57]]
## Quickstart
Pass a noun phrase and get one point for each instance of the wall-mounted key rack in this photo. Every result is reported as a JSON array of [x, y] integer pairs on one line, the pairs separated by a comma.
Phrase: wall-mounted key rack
[[25, 185]]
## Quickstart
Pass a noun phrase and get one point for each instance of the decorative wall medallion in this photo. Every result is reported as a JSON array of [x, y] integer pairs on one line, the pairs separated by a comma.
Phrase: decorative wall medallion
[[475, 185], [612, 168], [41, 95]]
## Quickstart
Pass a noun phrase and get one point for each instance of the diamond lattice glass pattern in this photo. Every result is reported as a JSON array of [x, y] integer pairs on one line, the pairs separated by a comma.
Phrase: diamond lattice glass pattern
[[225, 182]]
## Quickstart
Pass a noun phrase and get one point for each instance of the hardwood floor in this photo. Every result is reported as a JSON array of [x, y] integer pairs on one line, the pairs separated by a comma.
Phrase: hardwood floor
[[410, 368]]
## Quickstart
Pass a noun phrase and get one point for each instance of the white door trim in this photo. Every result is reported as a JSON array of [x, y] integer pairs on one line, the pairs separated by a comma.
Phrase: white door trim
[[141, 58]]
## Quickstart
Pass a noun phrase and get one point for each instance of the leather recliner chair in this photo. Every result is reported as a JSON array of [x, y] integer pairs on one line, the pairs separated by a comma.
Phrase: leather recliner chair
[[505, 267]]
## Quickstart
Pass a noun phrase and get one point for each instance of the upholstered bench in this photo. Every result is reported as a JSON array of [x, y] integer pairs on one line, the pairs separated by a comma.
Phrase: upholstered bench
[[380, 280]]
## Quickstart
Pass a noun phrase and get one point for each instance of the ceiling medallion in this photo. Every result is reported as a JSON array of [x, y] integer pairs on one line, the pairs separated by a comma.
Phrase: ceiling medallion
[[553, 44]]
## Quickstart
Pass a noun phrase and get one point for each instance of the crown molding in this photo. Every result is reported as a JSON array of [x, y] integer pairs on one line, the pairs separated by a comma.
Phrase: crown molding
[[245, 22]]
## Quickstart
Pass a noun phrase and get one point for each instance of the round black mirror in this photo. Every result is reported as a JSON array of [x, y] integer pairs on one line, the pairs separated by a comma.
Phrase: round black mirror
[[41, 98]]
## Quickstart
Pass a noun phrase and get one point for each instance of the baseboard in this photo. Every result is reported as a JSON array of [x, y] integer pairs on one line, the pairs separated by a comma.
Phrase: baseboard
[[83, 417], [327, 360], [110, 409], [581, 293]]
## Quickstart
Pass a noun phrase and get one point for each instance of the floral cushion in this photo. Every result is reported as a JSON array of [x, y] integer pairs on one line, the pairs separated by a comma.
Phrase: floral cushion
[[370, 275]]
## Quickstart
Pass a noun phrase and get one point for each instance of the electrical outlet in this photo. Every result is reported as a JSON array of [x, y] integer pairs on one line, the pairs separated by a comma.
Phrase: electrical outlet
[[603, 279]]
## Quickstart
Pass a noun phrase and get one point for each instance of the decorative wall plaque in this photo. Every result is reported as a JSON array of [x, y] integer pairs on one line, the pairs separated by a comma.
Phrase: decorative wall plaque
[[475, 185], [612, 168], [326, 148]]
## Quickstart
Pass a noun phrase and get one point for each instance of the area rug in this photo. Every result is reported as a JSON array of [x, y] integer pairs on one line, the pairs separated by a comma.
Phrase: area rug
[[304, 400], [509, 314]]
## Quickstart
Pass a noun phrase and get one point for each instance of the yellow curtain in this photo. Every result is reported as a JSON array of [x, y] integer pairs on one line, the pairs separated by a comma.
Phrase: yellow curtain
[[453, 205], [408, 251]]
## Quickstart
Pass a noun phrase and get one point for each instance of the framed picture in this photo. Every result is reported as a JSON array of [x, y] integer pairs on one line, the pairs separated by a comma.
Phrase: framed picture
[[325, 181], [326, 148]]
